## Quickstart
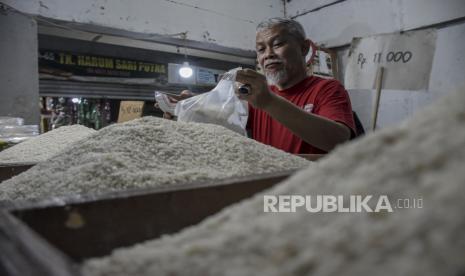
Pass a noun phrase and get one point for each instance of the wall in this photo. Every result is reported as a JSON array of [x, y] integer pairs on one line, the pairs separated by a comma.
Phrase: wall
[[222, 22], [19, 73], [334, 23], [338, 22]]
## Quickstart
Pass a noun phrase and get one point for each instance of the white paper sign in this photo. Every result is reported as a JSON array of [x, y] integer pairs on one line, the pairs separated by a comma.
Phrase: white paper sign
[[407, 59], [323, 65], [208, 76]]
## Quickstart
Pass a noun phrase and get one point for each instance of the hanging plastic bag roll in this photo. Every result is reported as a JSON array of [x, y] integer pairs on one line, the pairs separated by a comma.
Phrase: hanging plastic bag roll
[[219, 106]]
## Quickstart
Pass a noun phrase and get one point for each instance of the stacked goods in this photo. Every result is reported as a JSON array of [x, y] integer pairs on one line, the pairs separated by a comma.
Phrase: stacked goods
[[421, 159], [13, 131], [144, 153], [45, 146]]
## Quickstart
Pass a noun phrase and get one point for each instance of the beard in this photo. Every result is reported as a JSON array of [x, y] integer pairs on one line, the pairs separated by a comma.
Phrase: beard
[[276, 77]]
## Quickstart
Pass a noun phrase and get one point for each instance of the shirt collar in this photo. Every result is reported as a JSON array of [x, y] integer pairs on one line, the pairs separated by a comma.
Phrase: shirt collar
[[293, 89]]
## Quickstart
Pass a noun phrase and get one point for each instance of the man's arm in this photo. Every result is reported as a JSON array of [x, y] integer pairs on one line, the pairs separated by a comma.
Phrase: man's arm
[[318, 131]]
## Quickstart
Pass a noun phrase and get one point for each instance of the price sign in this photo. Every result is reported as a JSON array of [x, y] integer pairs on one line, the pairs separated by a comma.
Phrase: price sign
[[407, 59], [129, 110]]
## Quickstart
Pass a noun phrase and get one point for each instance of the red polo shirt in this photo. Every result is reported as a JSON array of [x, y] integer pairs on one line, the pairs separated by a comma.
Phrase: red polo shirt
[[326, 98]]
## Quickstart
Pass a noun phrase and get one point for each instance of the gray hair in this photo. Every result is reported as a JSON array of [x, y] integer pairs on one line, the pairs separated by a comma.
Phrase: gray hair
[[292, 26]]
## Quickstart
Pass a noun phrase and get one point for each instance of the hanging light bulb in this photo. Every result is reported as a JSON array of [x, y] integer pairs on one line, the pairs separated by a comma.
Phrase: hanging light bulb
[[186, 70]]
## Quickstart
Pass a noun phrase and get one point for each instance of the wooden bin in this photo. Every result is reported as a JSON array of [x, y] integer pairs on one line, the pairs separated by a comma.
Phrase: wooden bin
[[53, 236], [7, 171]]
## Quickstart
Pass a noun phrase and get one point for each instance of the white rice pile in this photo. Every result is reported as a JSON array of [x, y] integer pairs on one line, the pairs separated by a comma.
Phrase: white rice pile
[[423, 158], [144, 153], [44, 146]]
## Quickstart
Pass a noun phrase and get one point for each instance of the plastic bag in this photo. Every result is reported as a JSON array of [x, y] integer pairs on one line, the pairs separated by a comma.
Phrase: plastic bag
[[11, 121], [164, 102], [220, 106], [17, 134]]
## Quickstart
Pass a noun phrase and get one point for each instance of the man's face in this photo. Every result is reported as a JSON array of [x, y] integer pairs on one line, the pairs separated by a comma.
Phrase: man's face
[[280, 55]]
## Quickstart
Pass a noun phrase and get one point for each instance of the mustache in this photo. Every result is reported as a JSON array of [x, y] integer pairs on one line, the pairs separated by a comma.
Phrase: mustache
[[272, 61]]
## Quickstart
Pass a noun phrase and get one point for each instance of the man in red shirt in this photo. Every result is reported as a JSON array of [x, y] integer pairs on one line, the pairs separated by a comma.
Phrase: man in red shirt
[[290, 110]]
